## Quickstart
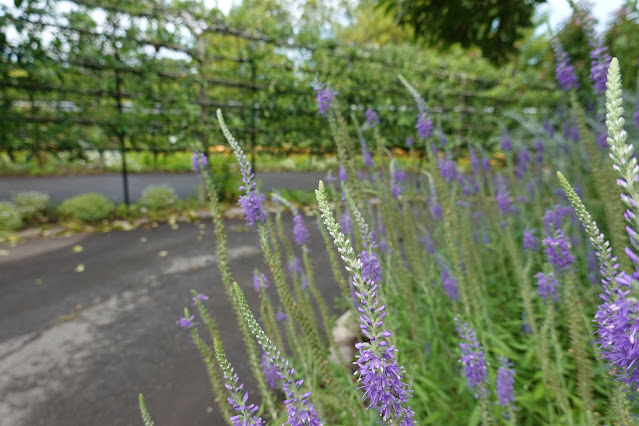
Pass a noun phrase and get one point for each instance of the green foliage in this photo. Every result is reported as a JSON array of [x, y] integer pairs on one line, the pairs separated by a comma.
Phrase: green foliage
[[621, 37], [10, 219], [31, 204], [494, 26], [157, 197], [169, 98], [89, 207]]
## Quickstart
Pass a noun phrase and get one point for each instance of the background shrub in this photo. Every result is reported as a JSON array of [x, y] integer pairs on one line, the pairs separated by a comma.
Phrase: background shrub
[[86, 207], [31, 204], [157, 197], [10, 219]]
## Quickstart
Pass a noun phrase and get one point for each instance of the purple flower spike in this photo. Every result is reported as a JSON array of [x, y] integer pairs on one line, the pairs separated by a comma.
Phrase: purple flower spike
[[372, 118], [472, 358], [505, 382], [449, 283], [564, 71], [370, 266], [259, 281], [252, 201], [324, 97], [200, 296], [346, 223], [424, 125], [270, 372], [280, 316], [186, 322], [367, 157], [199, 161], [547, 285], [554, 217], [600, 58], [475, 162], [531, 242], [636, 115], [343, 177], [398, 178], [299, 230], [506, 142], [557, 249], [502, 194]]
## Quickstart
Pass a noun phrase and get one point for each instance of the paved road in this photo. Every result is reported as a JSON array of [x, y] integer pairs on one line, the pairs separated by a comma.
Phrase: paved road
[[77, 347], [185, 184]]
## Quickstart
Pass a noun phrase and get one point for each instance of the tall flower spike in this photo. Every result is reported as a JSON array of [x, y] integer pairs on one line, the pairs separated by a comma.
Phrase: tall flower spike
[[252, 201], [424, 124], [624, 162], [324, 97], [371, 269], [600, 58], [558, 250], [547, 285], [473, 360], [379, 374], [199, 161], [505, 382], [299, 230], [299, 408], [238, 397], [372, 118], [565, 72]]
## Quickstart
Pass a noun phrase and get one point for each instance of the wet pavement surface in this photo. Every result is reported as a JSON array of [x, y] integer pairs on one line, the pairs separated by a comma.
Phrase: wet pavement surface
[[83, 332]]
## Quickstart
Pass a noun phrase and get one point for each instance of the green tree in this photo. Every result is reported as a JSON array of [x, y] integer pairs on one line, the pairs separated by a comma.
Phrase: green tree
[[492, 25]]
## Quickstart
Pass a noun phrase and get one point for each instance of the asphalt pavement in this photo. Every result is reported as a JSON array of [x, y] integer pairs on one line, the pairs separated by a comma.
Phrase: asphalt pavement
[[111, 185], [89, 321]]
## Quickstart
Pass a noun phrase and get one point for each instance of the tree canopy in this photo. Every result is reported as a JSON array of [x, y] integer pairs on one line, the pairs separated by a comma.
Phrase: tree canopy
[[492, 25]]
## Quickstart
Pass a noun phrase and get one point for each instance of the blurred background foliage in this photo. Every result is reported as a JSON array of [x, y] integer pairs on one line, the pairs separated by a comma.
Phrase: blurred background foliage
[[79, 75]]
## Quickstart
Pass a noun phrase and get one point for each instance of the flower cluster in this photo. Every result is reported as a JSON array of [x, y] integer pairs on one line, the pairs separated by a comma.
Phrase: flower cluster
[[367, 157], [372, 118], [324, 97], [599, 56], [506, 142], [505, 382], [378, 372], [502, 194], [473, 360], [558, 250], [199, 161], [300, 233], [270, 372], [259, 281], [252, 201], [398, 177], [531, 242], [563, 70], [424, 124], [238, 397], [299, 408], [449, 283], [186, 321], [547, 285]]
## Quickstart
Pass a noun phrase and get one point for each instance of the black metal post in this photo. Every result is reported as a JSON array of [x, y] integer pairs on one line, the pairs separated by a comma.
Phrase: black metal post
[[254, 112], [121, 135]]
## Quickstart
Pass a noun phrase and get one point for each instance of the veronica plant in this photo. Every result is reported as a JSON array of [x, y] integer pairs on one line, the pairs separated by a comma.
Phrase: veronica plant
[[299, 407], [238, 398], [378, 372]]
